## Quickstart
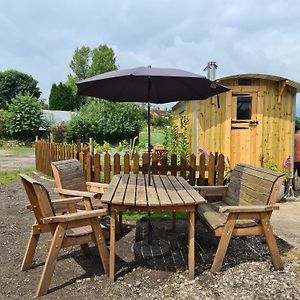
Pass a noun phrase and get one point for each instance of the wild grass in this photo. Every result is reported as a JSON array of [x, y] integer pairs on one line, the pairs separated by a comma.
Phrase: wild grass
[[10, 176]]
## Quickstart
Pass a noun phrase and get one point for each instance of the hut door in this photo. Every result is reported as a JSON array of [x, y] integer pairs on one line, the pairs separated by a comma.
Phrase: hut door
[[244, 125]]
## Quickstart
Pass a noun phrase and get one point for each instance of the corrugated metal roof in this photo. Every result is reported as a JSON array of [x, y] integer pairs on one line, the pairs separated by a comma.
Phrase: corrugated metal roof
[[58, 116], [291, 83]]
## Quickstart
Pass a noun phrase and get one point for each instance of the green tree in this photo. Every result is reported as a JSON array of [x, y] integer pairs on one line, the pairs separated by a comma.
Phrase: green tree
[[103, 60], [25, 117], [62, 98], [80, 62], [13, 83], [87, 62], [105, 121]]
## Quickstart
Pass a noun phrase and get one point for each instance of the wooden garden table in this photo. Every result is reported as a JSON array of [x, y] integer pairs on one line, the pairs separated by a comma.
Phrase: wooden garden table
[[165, 194]]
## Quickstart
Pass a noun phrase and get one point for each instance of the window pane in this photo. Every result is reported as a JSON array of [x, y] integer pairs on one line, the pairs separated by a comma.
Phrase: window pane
[[244, 104]]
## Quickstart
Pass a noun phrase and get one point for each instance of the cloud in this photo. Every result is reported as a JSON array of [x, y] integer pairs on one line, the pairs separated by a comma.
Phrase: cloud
[[258, 36]]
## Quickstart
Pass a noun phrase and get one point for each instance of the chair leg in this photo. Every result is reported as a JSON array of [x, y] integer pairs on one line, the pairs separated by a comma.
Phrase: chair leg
[[51, 259], [224, 242], [120, 223], [101, 244], [271, 242], [30, 250]]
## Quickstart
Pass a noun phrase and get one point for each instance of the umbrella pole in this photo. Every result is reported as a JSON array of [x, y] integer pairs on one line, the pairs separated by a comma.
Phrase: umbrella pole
[[149, 150], [150, 226]]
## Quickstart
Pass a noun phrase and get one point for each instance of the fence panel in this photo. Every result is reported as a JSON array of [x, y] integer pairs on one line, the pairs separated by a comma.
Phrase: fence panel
[[198, 169]]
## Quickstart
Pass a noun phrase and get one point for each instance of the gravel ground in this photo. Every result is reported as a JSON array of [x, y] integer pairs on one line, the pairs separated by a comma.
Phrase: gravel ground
[[247, 272]]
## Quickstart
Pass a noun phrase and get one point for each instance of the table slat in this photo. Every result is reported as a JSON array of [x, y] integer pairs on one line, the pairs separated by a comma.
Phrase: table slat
[[141, 198], [110, 191], [130, 195], [161, 191], [196, 196], [121, 189], [151, 193], [173, 194], [187, 199]]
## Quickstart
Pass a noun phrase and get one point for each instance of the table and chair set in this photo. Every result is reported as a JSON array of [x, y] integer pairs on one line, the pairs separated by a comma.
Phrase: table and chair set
[[242, 208]]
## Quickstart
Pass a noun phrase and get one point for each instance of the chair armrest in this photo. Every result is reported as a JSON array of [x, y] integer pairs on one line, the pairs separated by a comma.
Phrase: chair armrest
[[97, 184], [75, 193], [218, 190], [248, 208], [65, 201], [81, 215], [96, 187]]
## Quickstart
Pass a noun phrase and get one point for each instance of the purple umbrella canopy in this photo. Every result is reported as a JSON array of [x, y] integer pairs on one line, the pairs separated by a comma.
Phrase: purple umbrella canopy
[[152, 85], [147, 84]]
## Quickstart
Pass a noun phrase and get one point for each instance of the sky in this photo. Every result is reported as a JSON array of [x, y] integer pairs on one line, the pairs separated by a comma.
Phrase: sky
[[242, 36]]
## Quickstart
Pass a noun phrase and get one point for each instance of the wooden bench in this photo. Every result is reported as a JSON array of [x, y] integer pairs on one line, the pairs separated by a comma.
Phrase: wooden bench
[[244, 209]]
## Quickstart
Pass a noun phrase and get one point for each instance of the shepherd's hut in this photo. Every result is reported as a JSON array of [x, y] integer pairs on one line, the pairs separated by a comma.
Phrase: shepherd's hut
[[251, 123]]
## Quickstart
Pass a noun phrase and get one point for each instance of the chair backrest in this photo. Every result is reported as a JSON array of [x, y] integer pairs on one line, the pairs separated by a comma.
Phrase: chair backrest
[[38, 197], [253, 186], [68, 174]]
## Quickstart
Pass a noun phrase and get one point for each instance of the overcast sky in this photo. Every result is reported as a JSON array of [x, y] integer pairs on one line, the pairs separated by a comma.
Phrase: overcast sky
[[252, 36]]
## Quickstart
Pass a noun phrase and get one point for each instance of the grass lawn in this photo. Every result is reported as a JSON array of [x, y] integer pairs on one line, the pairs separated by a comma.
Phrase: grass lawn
[[13, 175], [157, 135], [154, 216]]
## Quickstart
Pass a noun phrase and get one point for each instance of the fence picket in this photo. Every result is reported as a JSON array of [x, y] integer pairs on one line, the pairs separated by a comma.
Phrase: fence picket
[[211, 169], [106, 168], [183, 166], [117, 165], [97, 167], [164, 164], [126, 163], [174, 165], [192, 175]]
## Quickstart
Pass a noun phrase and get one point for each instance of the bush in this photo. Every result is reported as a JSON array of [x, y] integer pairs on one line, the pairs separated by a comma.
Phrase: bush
[[175, 142], [58, 133], [3, 120], [105, 121], [25, 117]]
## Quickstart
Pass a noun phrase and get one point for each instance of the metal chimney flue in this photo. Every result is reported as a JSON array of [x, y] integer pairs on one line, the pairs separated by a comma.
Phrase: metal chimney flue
[[211, 70]]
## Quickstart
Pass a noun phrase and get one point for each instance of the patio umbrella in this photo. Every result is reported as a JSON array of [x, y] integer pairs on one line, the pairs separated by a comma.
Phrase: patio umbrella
[[151, 85]]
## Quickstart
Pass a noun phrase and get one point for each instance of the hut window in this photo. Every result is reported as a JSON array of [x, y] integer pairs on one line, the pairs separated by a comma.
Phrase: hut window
[[245, 81], [244, 107], [181, 107]]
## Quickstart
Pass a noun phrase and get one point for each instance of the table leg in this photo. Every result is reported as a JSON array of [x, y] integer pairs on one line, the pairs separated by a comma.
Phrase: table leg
[[112, 246], [191, 254]]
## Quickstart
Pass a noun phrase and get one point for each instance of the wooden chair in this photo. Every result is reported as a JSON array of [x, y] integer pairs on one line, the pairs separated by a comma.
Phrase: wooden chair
[[245, 209], [69, 229], [70, 181]]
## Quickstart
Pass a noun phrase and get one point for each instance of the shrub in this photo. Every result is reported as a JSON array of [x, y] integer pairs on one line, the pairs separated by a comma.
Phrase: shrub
[[3, 120], [58, 133], [175, 142], [25, 117], [104, 120]]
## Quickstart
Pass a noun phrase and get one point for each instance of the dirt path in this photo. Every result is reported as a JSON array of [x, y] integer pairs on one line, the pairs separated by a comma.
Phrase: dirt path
[[247, 272], [10, 161]]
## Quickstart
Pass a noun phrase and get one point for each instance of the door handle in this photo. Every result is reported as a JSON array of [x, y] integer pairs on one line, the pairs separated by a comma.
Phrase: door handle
[[253, 122]]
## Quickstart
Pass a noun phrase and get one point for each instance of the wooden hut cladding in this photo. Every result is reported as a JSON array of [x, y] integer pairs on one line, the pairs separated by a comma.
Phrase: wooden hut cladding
[[252, 123]]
